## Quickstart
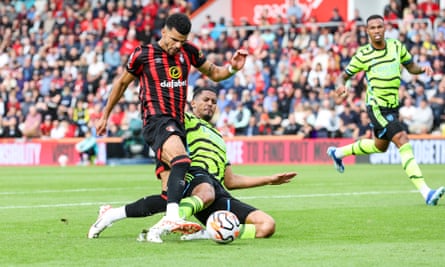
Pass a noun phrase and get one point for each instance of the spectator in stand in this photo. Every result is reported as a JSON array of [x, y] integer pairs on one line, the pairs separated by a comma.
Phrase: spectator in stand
[[290, 126], [81, 117], [302, 39], [336, 17], [430, 8], [392, 11], [227, 129], [262, 119], [269, 99], [46, 127], [112, 59], [284, 100], [422, 120], [424, 62], [438, 104], [10, 128], [252, 128], [218, 28], [294, 12], [357, 17], [28, 101], [418, 94], [240, 118], [96, 70], [225, 114], [316, 76], [349, 121], [406, 113], [391, 31], [325, 39], [275, 119], [58, 130], [364, 127], [31, 125], [129, 44]]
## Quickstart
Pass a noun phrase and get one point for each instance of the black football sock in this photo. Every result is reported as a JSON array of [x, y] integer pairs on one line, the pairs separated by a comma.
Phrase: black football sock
[[176, 183], [146, 206]]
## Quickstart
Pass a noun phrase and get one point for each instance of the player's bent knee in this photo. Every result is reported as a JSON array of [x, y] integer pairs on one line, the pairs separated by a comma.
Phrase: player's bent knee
[[264, 223], [265, 229], [205, 192]]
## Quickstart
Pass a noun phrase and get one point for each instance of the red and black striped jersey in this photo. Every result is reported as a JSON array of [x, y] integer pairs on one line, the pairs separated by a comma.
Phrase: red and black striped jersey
[[163, 79]]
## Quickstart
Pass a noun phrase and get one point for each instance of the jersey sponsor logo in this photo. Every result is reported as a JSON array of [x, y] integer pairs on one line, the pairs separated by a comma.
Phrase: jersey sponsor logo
[[175, 72], [173, 84]]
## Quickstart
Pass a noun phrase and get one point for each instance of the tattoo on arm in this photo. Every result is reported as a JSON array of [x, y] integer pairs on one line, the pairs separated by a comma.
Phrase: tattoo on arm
[[211, 68], [413, 68]]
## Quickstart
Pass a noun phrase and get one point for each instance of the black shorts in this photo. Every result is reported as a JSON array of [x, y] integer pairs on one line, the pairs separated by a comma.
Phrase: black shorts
[[223, 199], [158, 129], [385, 122]]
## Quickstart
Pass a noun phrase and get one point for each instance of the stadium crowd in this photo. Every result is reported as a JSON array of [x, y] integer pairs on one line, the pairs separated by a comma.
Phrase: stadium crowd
[[59, 58]]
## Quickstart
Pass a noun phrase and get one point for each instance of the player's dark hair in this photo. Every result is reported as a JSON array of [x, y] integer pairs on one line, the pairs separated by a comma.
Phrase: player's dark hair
[[179, 22], [197, 91], [374, 17]]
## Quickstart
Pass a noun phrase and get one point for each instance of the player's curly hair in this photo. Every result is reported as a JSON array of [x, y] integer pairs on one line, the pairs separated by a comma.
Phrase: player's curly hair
[[179, 22], [374, 17], [198, 90]]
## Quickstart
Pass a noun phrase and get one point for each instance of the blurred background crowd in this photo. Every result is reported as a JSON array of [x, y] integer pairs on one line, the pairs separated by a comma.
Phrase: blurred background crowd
[[58, 60]]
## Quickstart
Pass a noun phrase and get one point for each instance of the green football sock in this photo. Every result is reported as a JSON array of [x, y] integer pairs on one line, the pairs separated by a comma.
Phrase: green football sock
[[247, 231], [412, 169], [189, 206], [361, 147]]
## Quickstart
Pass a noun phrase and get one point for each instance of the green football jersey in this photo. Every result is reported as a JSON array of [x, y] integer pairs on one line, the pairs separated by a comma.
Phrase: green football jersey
[[206, 146], [383, 70]]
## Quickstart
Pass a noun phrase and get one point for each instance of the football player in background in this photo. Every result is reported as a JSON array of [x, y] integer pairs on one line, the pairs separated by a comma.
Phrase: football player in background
[[381, 60]]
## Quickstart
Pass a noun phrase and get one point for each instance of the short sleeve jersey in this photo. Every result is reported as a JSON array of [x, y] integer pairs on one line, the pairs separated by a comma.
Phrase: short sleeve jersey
[[206, 146], [163, 79], [383, 70]]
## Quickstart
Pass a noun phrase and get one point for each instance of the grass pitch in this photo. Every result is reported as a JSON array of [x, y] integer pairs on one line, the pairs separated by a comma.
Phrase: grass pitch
[[369, 216]]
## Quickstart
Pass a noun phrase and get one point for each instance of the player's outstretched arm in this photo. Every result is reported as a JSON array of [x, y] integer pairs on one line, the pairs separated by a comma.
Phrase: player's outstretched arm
[[219, 73], [117, 91], [413, 68], [238, 181]]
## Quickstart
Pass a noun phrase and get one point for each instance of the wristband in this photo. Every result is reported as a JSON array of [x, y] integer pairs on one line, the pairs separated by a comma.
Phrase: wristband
[[231, 69]]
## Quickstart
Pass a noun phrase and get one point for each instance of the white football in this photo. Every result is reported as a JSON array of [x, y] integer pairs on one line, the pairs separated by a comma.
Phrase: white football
[[223, 226]]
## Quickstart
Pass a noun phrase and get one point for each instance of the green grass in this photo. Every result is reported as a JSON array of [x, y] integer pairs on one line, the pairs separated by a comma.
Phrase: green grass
[[369, 216]]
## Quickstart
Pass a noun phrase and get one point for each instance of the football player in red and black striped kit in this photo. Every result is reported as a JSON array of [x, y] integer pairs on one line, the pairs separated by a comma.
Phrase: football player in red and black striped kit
[[162, 71]]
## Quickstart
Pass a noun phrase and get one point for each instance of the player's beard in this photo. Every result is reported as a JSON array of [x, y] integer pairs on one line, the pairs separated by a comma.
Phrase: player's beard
[[207, 117]]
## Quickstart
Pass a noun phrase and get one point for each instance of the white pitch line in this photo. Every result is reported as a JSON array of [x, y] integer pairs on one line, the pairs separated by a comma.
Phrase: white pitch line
[[66, 191], [239, 197], [333, 194]]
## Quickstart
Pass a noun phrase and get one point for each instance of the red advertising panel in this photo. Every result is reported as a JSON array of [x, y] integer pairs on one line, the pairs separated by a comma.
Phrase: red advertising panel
[[320, 9], [17, 152], [284, 150]]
